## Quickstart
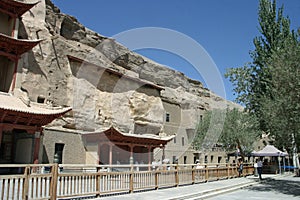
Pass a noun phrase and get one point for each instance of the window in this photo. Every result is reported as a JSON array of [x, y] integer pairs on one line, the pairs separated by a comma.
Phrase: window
[[184, 159], [195, 158], [201, 117], [58, 153], [41, 99], [6, 71], [211, 159], [174, 159], [205, 159], [175, 140], [219, 159], [167, 117], [182, 141]]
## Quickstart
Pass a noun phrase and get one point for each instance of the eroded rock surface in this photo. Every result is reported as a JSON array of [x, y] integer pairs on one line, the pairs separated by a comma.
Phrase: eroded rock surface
[[48, 72]]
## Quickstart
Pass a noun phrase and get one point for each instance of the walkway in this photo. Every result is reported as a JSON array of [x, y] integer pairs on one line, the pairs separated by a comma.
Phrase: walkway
[[273, 188], [198, 191]]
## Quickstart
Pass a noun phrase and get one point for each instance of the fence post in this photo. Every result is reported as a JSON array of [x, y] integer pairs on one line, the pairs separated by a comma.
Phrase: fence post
[[206, 173], [176, 176], [156, 179], [218, 172], [98, 178], [131, 182], [193, 174], [26, 182], [54, 181], [228, 172]]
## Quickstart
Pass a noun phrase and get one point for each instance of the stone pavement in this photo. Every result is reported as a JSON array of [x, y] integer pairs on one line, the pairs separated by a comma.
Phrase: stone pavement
[[196, 191], [274, 188]]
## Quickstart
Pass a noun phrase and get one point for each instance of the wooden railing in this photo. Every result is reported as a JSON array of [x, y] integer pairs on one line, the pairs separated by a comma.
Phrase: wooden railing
[[52, 181]]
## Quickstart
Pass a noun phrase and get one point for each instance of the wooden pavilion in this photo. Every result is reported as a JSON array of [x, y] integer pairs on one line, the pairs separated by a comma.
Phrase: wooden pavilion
[[21, 121], [21, 128], [115, 147]]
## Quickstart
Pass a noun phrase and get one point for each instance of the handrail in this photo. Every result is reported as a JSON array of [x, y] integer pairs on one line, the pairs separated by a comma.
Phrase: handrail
[[51, 181]]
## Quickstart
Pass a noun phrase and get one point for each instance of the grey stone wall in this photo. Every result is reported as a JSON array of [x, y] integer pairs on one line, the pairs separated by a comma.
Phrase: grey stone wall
[[73, 152]]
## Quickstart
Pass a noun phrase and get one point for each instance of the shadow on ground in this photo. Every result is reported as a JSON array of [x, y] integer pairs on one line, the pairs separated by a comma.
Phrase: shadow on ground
[[285, 186]]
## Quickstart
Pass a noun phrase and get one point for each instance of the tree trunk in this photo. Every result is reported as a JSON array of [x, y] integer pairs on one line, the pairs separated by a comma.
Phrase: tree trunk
[[242, 153], [295, 156]]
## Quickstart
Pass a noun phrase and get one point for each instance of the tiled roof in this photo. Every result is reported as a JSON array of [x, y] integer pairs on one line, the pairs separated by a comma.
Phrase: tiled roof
[[114, 135], [15, 8], [11, 103], [15, 47]]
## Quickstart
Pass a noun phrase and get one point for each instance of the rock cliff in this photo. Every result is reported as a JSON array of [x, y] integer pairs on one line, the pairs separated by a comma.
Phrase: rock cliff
[[48, 73]]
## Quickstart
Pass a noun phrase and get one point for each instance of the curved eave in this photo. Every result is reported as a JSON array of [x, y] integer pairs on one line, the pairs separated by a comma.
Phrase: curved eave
[[20, 117], [15, 8], [14, 111], [13, 48], [116, 136]]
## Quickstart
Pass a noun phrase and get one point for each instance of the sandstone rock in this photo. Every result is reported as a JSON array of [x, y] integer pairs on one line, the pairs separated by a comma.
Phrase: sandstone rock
[[47, 71]]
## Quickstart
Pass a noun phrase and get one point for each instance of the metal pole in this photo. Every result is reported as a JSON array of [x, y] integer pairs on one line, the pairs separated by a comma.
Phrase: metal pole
[[279, 165], [284, 164]]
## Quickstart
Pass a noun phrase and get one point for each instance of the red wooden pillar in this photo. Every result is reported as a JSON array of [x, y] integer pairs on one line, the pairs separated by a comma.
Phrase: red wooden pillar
[[14, 32], [149, 157], [14, 76], [131, 159], [99, 153], [110, 153], [36, 151], [1, 129]]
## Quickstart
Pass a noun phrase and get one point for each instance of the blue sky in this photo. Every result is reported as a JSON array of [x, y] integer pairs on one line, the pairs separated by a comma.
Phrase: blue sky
[[224, 28]]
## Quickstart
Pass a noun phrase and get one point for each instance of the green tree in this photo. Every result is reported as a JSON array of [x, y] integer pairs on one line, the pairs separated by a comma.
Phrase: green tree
[[201, 131], [252, 81], [283, 110], [209, 129], [269, 86], [240, 130]]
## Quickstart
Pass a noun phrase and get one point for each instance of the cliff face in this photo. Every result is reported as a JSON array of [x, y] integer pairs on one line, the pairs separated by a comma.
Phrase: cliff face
[[132, 95]]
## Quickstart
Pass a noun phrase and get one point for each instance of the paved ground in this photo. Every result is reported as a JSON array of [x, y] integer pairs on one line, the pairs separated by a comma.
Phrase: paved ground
[[278, 188], [273, 186]]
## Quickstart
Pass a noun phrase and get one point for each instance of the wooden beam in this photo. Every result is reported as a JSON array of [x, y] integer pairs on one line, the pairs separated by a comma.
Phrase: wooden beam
[[3, 116], [30, 120], [16, 120], [11, 56], [29, 129], [8, 13]]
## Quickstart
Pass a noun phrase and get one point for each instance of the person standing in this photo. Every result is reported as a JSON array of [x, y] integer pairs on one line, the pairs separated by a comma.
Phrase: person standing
[[255, 168], [259, 168], [198, 165], [240, 167]]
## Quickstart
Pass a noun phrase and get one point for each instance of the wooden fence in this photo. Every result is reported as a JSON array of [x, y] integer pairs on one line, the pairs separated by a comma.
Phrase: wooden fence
[[54, 181]]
